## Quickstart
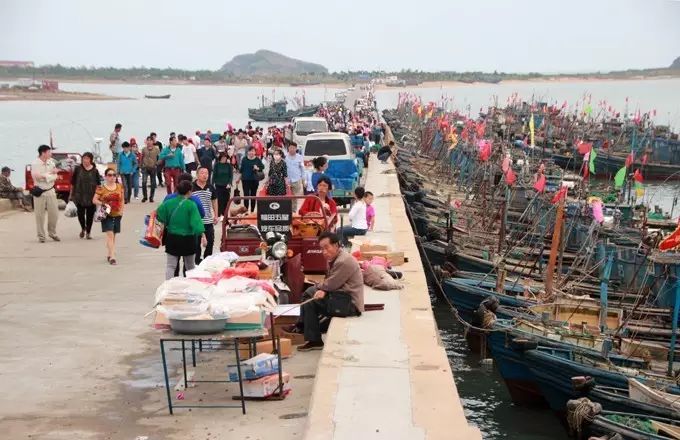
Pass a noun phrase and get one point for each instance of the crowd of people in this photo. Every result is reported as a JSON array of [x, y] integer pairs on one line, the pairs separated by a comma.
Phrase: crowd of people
[[238, 162], [200, 172]]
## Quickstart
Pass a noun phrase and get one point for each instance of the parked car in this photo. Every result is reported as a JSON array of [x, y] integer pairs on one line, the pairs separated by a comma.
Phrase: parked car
[[304, 126], [333, 145]]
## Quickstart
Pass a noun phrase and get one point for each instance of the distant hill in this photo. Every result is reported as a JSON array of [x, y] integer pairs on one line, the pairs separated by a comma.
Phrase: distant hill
[[268, 63], [676, 64]]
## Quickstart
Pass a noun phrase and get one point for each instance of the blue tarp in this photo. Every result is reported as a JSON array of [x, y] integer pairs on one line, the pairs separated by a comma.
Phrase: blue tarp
[[344, 174]]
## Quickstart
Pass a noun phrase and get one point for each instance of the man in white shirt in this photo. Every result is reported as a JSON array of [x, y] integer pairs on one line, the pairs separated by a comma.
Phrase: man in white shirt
[[189, 153], [357, 218], [197, 139], [44, 173]]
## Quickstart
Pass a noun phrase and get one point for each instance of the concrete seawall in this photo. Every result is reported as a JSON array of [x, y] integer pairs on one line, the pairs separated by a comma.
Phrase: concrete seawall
[[386, 374]]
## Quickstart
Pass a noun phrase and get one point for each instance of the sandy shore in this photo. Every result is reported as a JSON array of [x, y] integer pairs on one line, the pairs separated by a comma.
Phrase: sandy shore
[[38, 95]]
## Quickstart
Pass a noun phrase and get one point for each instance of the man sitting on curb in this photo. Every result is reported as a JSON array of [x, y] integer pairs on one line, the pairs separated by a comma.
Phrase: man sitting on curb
[[343, 280], [9, 191]]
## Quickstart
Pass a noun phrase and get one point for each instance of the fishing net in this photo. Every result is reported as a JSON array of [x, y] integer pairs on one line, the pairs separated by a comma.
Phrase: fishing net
[[640, 424]]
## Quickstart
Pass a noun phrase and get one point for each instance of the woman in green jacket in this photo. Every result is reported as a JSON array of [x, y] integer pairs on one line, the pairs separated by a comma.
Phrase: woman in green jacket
[[183, 224], [223, 176]]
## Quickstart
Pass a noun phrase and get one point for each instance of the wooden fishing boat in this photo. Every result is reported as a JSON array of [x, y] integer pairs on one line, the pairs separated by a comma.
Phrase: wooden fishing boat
[[629, 426], [157, 96], [643, 393], [619, 399]]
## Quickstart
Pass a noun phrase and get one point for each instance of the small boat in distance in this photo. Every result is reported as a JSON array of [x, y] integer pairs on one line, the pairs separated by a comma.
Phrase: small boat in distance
[[157, 96]]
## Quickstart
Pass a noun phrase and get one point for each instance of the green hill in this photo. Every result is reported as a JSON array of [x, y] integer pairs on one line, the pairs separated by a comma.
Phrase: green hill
[[676, 64], [268, 63]]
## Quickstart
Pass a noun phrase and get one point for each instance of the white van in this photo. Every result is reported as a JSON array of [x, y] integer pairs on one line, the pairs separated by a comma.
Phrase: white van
[[334, 145], [304, 126]]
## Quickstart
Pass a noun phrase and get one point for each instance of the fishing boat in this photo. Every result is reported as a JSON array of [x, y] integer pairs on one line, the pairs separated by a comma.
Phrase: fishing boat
[[157, 96], [278, 112], [620, 399], [640, 392], [588, 420]]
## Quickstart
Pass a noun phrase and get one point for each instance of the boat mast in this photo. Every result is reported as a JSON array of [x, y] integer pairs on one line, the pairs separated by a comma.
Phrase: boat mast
[[554, 248], [674, 331], [604, 284]]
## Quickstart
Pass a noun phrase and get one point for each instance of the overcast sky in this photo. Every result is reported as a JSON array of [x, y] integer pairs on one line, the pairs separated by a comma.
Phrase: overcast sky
[[503, 35]]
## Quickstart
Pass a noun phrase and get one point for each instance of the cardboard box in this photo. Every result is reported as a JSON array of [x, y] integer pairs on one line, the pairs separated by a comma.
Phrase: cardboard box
[[295, 338], [265, 386], [256, 367], [394, 258], [368, 245], [266, 346], [372, 247]]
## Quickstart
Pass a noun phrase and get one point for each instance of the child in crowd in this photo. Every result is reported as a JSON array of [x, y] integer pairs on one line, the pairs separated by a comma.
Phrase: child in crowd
[[357, 218], [320, 165], [370, 210]]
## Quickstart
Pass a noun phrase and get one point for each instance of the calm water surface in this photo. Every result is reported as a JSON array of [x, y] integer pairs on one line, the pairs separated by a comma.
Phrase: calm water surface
[[75, 125]]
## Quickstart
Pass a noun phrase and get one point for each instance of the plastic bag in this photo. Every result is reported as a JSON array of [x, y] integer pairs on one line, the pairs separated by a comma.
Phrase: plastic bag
[[183, 290], [71, 210], [186, 311], [216, 263]]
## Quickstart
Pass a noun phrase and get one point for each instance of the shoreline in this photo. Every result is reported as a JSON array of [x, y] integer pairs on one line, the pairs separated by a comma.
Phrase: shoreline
[[7, 95], [332, 85]]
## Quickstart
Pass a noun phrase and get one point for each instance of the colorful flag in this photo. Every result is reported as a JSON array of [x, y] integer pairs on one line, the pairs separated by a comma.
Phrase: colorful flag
[[505, 165], [620, 178], [586, 165], [510, 177], [639, 189], [630, 159], [670, 242], [484, 150], [644, 159], [584, 147], [559, 195], [540, 183], [591, 161], [531, 129], [637, 176]]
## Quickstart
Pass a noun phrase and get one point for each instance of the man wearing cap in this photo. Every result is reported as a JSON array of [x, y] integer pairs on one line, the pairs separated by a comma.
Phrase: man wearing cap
[[9, 191], [44, 172]]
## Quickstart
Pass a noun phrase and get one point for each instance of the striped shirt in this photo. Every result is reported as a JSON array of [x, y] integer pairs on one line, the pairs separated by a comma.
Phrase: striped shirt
[[206, 195]]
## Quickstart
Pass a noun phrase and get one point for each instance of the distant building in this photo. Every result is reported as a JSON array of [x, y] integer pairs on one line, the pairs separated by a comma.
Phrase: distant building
[[4, 63]]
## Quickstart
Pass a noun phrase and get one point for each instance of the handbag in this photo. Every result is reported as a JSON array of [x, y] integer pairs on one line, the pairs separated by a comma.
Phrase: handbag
[[101, 213], [36, 191], [237, 193], [164, 227], [339, 304], [259, 175]]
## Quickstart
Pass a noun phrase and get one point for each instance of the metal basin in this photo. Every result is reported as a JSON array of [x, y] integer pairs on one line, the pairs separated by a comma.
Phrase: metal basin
[[197, 326]]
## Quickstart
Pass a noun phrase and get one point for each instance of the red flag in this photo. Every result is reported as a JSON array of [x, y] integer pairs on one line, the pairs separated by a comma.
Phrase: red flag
[[484, 150], [584, 147], [671, 241], [540, 183], [559, 195], [510, 177], [505, 165], [644, 159], [630, 159], [637, 175]]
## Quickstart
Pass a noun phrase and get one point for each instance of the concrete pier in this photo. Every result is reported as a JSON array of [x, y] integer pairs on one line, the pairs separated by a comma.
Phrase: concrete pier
[[386, 374]]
